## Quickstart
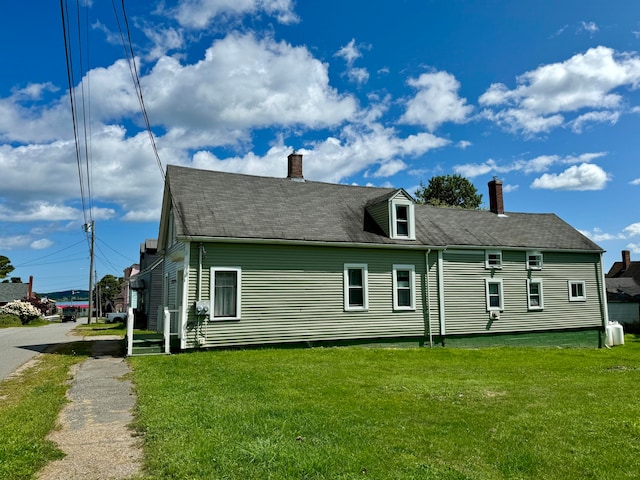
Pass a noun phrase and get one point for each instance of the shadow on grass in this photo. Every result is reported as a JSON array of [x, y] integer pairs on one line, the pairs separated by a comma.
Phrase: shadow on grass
[[96, 348]]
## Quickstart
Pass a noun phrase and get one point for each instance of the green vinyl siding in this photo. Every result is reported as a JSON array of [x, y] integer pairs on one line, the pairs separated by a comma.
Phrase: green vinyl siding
[[296, 294], [293, 294], [465, 304], [380, 213], [174, 262]]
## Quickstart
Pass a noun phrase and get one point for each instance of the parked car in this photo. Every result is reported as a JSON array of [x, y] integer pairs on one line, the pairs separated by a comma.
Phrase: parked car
[[116, 317], [69, 314]]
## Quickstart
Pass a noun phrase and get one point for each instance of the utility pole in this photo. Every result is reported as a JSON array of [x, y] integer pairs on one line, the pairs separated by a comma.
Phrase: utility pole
[[89, 227]]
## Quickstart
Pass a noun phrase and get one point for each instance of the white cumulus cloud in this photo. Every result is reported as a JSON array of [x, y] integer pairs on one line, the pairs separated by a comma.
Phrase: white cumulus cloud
[[586, 176], [586, 82], [199, 14], [633, 230], [436, 101]]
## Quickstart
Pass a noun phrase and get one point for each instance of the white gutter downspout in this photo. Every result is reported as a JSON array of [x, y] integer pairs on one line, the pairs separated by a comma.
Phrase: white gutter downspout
[[199, 296], [426, 270], [604, 304], [443, 329]]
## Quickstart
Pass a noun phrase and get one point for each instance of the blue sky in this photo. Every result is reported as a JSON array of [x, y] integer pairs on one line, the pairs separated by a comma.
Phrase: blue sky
[[542, 94]]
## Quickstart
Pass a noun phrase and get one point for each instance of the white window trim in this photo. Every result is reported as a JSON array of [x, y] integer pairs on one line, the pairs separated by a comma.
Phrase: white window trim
[[410, 217], [535, 307], [412, 287], [499, 308], [486, 259], [212, 287], [537, 267], [365, 287], [582, 298]]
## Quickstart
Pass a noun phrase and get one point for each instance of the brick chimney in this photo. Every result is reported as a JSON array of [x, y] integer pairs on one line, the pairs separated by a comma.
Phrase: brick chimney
[[30, 291], [294, 171], [626, 259], [496, 201]]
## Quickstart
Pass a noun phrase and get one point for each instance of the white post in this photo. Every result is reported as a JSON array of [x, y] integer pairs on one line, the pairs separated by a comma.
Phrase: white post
[[167, 331], [129, 331]]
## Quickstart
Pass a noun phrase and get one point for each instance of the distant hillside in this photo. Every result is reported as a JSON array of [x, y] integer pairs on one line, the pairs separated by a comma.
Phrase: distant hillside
[[66, 295]]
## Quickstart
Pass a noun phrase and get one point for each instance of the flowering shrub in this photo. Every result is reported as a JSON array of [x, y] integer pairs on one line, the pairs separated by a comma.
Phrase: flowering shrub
[[24, 310]]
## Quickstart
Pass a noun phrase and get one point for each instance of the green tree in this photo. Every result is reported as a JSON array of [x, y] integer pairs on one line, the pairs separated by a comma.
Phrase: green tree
[[5, 266], [449, 191], [108, 289]]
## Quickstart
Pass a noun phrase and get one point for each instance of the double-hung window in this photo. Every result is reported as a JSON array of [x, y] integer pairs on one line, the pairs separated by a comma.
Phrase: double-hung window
[[494, 296], [356, 295], [493, 259], [534, 261], [535, 299], [402, 220], [577, 291], [226, 289], [404, 288]]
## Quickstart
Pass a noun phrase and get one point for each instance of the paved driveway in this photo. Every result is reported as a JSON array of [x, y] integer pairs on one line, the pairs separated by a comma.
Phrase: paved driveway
[[19, 344]]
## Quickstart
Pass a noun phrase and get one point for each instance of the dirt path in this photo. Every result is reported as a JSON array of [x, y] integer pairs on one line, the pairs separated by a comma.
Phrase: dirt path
[[94, 432]]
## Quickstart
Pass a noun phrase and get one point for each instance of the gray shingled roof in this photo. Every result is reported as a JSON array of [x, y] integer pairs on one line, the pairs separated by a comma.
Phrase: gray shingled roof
[[623, 286], [13, 291], [228, 205]]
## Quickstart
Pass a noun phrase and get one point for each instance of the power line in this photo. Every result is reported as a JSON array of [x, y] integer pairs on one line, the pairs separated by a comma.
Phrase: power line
[[64, 8], [31, 262], [133, 69], [89, 226]]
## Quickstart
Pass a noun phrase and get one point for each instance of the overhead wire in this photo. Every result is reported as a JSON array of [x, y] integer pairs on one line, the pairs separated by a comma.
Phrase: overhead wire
[[64, 9], [133, 70], [83, 164], [86, 106]]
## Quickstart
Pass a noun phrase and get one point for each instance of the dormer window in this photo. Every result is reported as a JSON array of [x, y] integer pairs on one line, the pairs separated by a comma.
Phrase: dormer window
[[402, 218]]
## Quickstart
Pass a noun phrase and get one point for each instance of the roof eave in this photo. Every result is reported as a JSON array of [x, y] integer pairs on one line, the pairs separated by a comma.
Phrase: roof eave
[[405, 245]]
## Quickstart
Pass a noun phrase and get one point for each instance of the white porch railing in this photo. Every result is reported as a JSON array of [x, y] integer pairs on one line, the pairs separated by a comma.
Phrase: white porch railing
[[166, 327], [129, 331]]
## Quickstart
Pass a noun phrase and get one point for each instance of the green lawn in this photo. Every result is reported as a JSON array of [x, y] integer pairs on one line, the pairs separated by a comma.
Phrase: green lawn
[[338, 413], [8, 320], [100, 327], [29, 407]]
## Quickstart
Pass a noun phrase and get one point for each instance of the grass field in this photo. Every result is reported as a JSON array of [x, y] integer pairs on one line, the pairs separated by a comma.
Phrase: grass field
[[341, 413], [29, 407]]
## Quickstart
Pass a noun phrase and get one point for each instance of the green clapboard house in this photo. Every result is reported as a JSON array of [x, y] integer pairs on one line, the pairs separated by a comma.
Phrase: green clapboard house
[[254, 260]]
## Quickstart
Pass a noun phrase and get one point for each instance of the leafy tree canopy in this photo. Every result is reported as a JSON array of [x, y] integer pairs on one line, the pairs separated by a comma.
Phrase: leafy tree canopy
[[449, 191], [108, 288], [5, 266]]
